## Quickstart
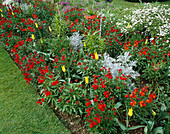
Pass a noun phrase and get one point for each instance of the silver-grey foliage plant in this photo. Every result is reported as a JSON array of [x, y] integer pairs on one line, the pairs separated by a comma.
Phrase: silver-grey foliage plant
[[123, 63], [75, 41]]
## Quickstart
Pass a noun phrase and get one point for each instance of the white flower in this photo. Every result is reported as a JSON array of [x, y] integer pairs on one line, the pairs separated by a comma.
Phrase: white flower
[[153, 18]]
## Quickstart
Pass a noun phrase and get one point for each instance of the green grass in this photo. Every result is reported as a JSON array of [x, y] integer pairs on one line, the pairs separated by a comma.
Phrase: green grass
[[19, 112]]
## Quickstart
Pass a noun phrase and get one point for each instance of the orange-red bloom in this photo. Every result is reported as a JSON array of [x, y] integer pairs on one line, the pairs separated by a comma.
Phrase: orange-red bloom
[[91, 17], [142, 103]]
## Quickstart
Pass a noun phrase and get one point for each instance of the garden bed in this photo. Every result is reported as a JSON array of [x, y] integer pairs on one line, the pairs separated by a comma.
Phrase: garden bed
[[100, 72]]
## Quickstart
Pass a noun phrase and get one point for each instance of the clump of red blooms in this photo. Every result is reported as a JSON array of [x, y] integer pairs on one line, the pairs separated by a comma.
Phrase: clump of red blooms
[[137, 95], [40, 101]]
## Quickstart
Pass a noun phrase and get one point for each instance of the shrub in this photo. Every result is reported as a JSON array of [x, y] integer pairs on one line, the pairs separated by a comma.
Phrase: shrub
[[150, 20]]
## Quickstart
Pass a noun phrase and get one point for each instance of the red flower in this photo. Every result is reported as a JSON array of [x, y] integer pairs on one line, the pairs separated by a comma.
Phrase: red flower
[[142, 93], [106, 94], [103, 86], [113, 109], [153, 95], [76, 20], [149, 100], [85, 67], [91, 17], [118, 87], [123, 78], [142, 103], [88, 103], [102, 107], [95, 100], [9, 35], [133, 95], [95, 86], [34, 16], [39, 102], [29, 39], [54, 83], [43, 100], [79, 63], [97, 119], [77, 102], [133, 103], [47, 93], [56, 60], [88, 110], [59, 100], [93, 124]]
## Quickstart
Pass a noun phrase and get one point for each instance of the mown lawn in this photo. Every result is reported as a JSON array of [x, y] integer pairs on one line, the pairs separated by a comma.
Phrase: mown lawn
[[19, 112]]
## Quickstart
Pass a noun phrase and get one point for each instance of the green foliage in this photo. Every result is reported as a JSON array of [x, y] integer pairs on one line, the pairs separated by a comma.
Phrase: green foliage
[[94, 43], [60, 26]]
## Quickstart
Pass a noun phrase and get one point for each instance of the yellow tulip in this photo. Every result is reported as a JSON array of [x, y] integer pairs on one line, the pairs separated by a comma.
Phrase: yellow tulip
[[12, 13], [50, 29], [96, 56], [84, 44], [36, 25], [146, 41], [63, 68], [153, 113], [33, 37], [0, 10], [2, 15], [86, 80], [130, 113], [41, 40], [128, 25]]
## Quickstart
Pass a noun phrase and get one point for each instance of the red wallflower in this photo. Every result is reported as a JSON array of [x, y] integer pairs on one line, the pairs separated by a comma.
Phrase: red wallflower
[[142, 93], [103, 86], [142, 103], [95, 100], [95, 86], [93, 124], [79, 63], [39, 102], [153, 95], [102, 107], [47, 93], [127, 95], [133, 95], [149, 100], [59, 99], [54, 83], [123, 78], [76, 20], [43, 100], [88, 103], [97, 119], [88, 110], [106, 94], [91, 17], [34, 16], [133, 103]]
